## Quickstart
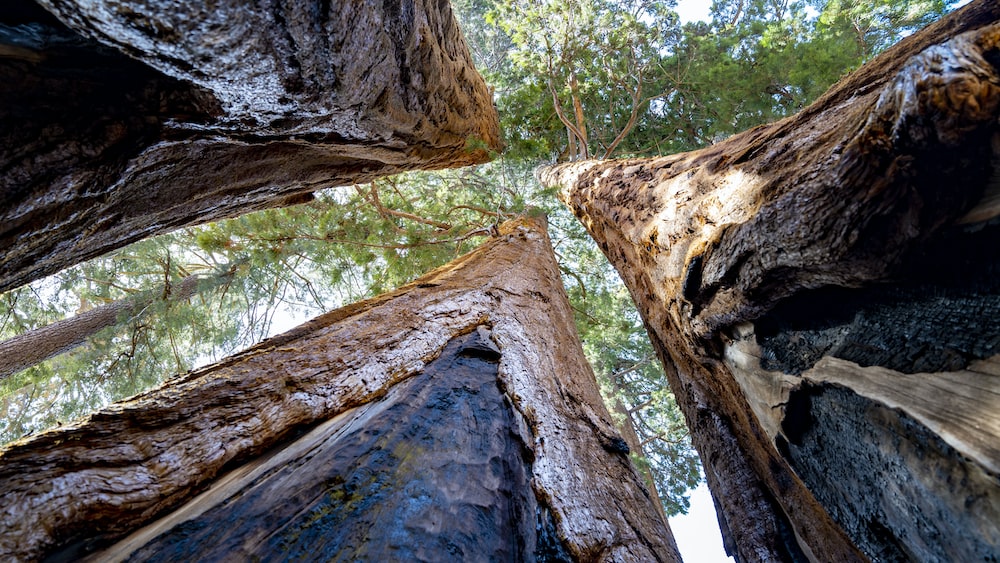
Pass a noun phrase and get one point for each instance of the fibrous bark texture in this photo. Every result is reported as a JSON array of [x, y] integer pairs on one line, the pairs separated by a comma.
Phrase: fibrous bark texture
[[121, 120], [436, 467], [453, 419], [822, 292]]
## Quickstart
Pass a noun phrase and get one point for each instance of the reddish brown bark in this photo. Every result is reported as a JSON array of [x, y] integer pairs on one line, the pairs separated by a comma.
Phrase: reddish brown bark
[[82, 485], [122, 120], [854, 189]]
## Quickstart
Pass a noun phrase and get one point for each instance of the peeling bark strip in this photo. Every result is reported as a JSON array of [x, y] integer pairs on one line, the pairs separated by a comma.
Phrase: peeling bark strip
[[848, 192], [122, 120], [923, 499], [85, 485]]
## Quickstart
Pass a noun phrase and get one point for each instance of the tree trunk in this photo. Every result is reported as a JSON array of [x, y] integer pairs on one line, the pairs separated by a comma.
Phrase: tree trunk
[[626, 426], [453, 419], [583, 144], [122, 120], [771, 267], [35, 346]]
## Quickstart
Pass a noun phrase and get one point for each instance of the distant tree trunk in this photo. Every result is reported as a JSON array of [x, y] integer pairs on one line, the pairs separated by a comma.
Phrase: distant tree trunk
[[453, 419], [122, 120], [823, 293], [626, 426], [35, 346]]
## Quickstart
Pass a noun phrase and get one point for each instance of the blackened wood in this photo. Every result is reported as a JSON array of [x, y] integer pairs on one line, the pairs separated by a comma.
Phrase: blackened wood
[[839, 195], [85, 485], [436, 469]]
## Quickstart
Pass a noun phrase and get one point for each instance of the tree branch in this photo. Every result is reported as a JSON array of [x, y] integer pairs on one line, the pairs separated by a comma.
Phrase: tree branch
[[636, 96], [386, 212], [565, 120]]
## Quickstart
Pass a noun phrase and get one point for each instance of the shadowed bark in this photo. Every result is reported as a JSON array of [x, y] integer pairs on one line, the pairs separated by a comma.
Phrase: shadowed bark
[[119, 121], [473, 372], [884, 188]]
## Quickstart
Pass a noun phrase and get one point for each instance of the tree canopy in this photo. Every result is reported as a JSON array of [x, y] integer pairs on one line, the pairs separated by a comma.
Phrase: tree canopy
[[572, 80]]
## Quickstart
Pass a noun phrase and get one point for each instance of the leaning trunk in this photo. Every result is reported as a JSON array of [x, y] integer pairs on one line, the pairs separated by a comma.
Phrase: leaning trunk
[[455, 418], [822, 293], [35, 346], [123, 120]]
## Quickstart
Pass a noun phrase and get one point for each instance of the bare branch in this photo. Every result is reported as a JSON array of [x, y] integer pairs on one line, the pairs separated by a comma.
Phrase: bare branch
[[565, 120], [384, 211], [637, 103]]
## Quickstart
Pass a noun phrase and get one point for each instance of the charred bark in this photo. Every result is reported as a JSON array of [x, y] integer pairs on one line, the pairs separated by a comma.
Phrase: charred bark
[[465, 390], [851, 231], [119, 121]]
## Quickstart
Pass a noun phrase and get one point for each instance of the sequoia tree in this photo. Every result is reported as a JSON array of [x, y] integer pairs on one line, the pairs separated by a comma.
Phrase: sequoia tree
[[121, 120], [453, 418], [822, 292]]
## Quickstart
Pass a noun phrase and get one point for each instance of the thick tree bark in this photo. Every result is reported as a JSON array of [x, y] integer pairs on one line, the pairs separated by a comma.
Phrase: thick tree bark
[[886, 184], [35, 346], [466, 389], [119, 121]]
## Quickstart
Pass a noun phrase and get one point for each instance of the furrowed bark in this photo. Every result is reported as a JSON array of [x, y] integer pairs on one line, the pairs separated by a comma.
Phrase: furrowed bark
[[119, 121], [887, 181], [72, 490]]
